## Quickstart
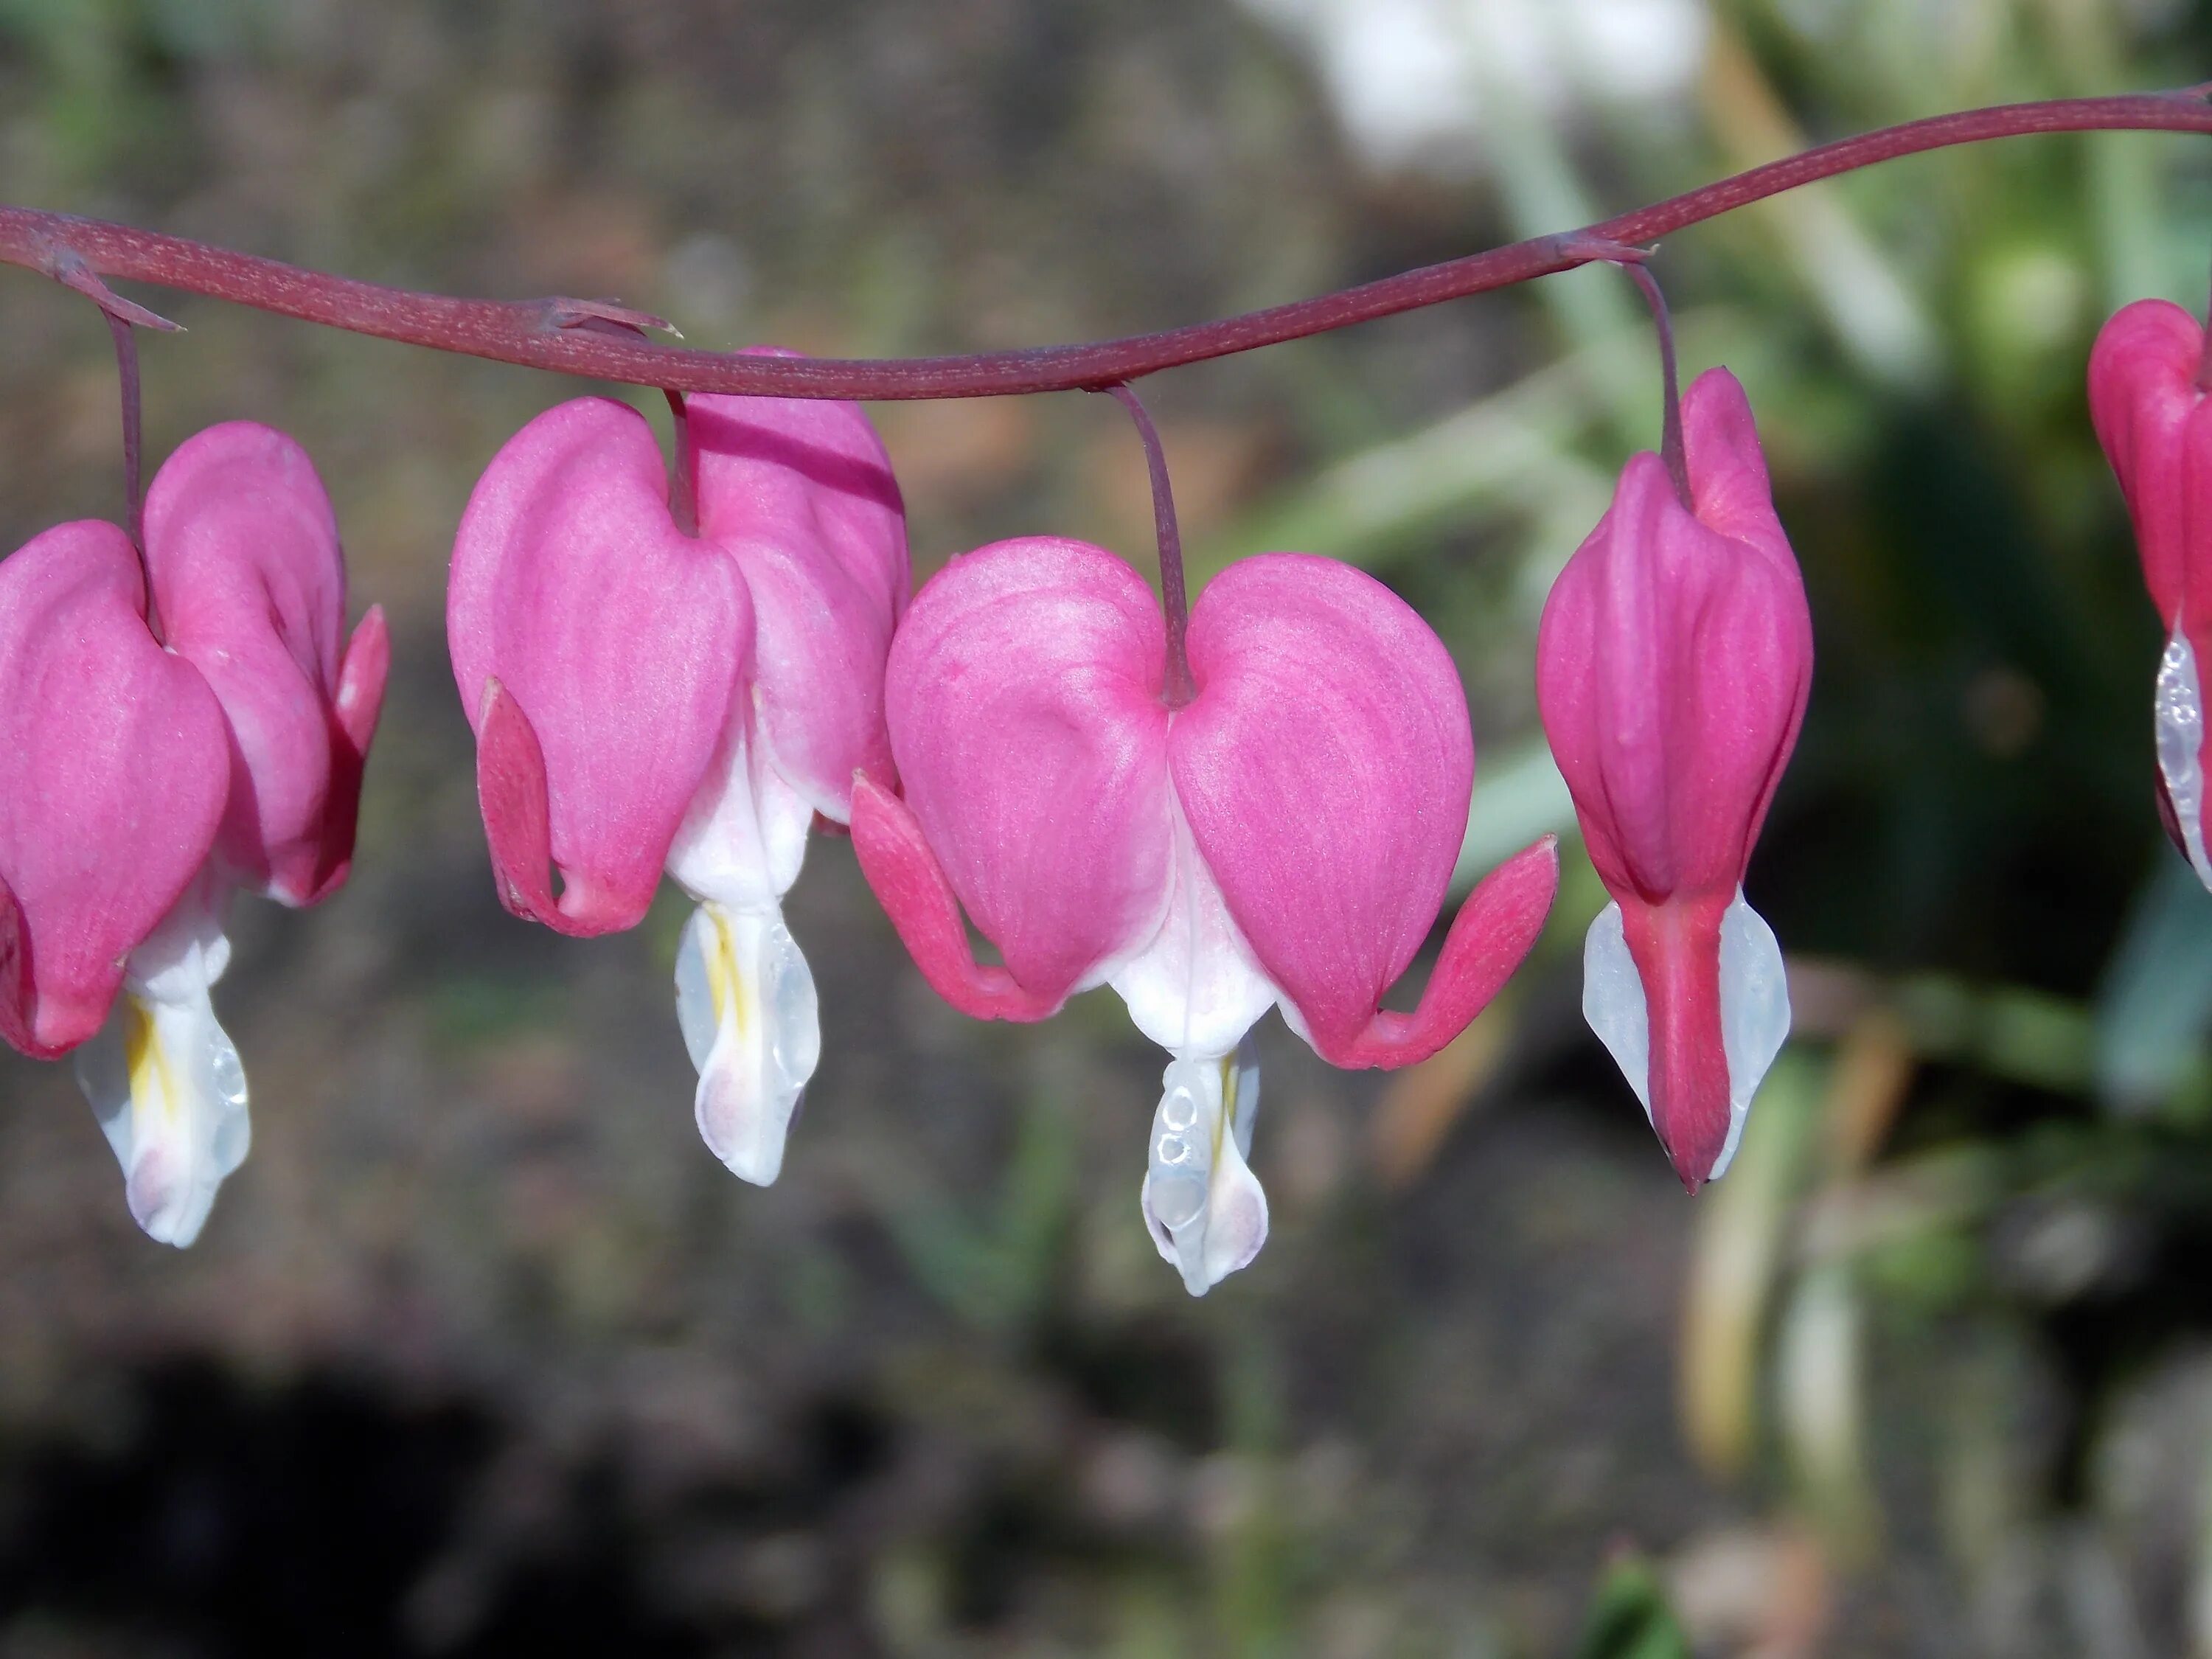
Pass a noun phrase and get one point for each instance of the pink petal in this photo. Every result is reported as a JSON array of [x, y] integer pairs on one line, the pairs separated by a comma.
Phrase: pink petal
[[1024, 692], [800, 492], [620, 641], [511, 793], [2156, 429], [249, 587], [1674, 661], [1490, 938], [1325, 765], [910, 886], [114, 766], [352, 723]]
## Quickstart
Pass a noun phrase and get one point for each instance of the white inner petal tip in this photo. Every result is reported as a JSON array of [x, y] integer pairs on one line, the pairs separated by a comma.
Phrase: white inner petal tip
[[1755, 1008], [1612, 1001], [1205, 1209], [2178, 708], [746, 1000], [1754, 1012], [165, 1081]]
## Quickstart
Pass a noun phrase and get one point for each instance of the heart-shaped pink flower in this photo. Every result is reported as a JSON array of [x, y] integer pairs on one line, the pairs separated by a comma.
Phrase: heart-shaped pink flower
[[1286, 837], [139, 785], [646, 698]]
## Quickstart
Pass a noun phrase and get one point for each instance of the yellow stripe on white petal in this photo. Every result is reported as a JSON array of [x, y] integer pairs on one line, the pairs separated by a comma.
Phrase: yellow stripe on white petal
[[746, 1000], [1203, 1206], [166, 1085], [162, 1075]]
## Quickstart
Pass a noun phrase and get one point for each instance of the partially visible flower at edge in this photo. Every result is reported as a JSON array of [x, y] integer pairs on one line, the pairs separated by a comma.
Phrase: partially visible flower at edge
[[141, 785], [2155, 421]]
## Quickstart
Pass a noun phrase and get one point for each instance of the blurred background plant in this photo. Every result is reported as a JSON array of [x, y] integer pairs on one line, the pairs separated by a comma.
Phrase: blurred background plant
[[482, 1349]]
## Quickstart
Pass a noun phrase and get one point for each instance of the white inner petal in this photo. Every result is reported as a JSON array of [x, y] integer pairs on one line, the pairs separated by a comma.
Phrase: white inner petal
[[1755, 1008], [2179, 708], [1202, 1205], [744, 834], [164, 1078], [1754, 1012], [746, 1001], [1196, 989], [1612, 1001]]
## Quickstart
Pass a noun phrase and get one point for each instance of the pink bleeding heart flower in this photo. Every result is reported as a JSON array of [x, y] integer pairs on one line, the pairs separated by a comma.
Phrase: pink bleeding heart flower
[[2156, 423], [144, 785], [646, 698], [1287, 836], [1674, 660], [250, 585]]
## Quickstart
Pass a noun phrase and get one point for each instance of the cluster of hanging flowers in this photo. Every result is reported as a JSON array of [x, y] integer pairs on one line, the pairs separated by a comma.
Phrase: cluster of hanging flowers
[[1254, 801]]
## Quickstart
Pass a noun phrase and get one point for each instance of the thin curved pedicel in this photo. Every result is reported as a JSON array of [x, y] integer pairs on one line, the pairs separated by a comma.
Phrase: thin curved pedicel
[[1674, 661]]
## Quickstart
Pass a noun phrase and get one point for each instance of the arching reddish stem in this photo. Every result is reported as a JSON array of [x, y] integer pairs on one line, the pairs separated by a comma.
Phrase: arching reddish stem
[[541, 334]]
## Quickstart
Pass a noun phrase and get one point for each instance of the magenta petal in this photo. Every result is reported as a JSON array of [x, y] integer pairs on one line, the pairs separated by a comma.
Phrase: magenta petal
[[1325, 765], [911, 887], [800, 493], [18, 1012], [114, 766], [1676, 947], [512, 795], [352, 723], [1490, 938], [2156, 429], [620, 641], [1674, 661], [1023, 694], [249, 587]]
